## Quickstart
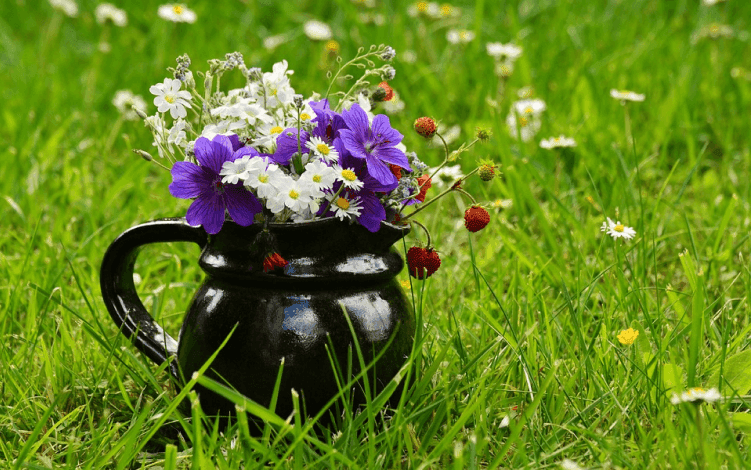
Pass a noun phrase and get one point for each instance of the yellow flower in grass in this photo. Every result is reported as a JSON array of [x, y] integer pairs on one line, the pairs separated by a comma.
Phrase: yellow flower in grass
[[405, 284], [627, 337]]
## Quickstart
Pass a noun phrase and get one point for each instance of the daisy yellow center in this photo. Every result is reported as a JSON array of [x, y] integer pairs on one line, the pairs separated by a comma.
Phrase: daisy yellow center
[[178, 9], [463, 34], [523, 121], [304, 116], [349, 175], [445, 10], [169, 99], [317, 178], [332, 46], [263, 178], [276, 130], [528, 110], [618, 228], [323, 149], [293, 194], [274, 91], [343, 203], [422, 7], [557, 139], [714, 28]]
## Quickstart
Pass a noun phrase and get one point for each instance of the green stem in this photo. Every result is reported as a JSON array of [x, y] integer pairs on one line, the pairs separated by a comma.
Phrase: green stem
[[341, 188], [425, 229]]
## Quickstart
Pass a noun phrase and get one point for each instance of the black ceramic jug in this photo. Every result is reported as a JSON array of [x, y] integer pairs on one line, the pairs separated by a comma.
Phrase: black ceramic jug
[[290, 313]]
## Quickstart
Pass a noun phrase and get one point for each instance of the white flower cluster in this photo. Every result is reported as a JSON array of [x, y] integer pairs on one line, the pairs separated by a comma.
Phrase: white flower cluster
[[505, 56], [259, 114]]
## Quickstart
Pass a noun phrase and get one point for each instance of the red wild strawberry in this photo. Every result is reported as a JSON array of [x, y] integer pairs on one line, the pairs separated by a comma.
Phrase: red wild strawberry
[[273, 261], [396, 170], [424, 182], [425, 126], [388, 89], [422, 262], [476, 218]]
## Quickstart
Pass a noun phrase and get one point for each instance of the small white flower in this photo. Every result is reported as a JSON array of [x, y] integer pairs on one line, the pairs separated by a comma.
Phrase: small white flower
[[345, 208], [264, 177], [317, 30], [322, 150], [225, 127], [525, 127], [294, 194], [67, 7], [625, 95], [125, 101], [617, 229], [528, 107], [272, 42], [319, 176], [696, 395], [505, 422], [177, 13], [499, 51], [557, 142], [235, 171], [177, 135], [108, 11], [460, 36], [169, 97], [347, 177], [568, 464]]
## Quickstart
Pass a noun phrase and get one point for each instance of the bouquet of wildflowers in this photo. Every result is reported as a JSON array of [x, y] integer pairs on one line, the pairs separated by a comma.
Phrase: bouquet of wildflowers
[[264, 154]]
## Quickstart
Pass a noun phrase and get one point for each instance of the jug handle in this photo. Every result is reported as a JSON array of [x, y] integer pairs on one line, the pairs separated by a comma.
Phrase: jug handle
[[119, 292]]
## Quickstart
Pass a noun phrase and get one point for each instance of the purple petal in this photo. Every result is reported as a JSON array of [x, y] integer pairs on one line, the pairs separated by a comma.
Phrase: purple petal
[[373, 212], [212, 154], [353, 143], [383, 131], [243, 151], [236, 144], [380, 171], [393, 155], [286, 145], [241, 204], [357, 120], [188, 180], [208, 211]]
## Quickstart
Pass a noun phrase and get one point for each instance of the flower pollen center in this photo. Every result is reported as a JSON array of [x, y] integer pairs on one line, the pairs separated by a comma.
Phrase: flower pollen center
[[528, 110], [276, 130], [342, 203], [422, 7], [293, 194], [524, 121], [219, 186], [169, 99], [323, 149], [304, 116], [263, 178], [317, 178], [178, 9], [349, 175], [618, 228]]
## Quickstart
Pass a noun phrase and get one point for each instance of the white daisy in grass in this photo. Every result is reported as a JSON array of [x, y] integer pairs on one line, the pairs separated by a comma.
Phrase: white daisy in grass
[[319, 175], [125, 102], [345, 208], [696, 395], [317, 30], [617, 229], [67, 7], [568, 464], [319, 148], [460, 36], [177, 13], [170, 98], [626, 95], [347, 177], [108, 11], [528, 107], [558, 142], [502, 51]]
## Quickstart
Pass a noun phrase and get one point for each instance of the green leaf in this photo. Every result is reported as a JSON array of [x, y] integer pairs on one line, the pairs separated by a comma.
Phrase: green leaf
[[741, 422], [736, 373], [672, 378]]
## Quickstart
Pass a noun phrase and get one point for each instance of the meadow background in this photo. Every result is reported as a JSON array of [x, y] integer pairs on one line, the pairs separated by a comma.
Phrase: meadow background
[[519, 364]]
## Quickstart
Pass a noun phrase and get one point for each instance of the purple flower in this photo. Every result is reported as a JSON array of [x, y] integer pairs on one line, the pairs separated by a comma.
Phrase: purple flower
[[328, 122], [204, 183], [375, 145], [286, 145]]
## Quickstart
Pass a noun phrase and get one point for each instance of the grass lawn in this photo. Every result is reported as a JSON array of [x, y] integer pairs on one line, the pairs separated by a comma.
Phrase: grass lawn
[[519, 362]]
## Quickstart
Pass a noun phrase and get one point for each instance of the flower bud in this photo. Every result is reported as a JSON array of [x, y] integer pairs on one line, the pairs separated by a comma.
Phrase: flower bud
[[483, 134], [143, 154], [388, 54], [486, 172]]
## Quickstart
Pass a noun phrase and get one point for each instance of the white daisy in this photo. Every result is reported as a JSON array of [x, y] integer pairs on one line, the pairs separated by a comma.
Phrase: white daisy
[[319, 148], [696, 395], [626, 95], [558, 142], [532, 106], [170, 97], [345, 208], [125, 101], [526, 126], [617, 229], [293, 194], [499, 51], [460, 36], [317, 30], [177, 13], [108, 11], [67, 7], [347, 177]]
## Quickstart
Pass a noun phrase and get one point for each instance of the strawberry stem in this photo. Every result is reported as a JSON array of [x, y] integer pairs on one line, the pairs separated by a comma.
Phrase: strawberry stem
[[427, 233]]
